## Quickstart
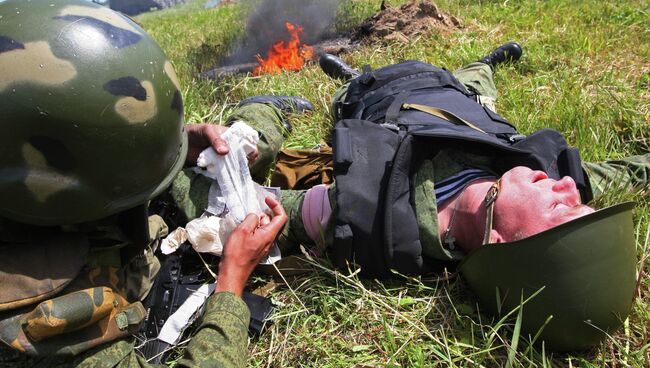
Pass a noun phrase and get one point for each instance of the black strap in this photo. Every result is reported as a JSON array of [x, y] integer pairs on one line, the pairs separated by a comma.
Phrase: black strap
[[134, 223], [392, 114]]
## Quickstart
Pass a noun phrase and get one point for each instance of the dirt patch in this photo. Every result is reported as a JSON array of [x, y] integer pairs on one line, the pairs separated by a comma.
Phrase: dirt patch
[[401, 23]]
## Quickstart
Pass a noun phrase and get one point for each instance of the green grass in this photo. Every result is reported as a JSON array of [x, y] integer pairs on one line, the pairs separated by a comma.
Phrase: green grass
[[585, 72]]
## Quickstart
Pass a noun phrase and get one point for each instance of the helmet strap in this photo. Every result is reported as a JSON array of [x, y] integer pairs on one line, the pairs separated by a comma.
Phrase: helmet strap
[[134, 222], [490, 199]]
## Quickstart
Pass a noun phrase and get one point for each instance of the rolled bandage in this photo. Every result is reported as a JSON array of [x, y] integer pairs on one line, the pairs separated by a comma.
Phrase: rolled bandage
[[316, 211]]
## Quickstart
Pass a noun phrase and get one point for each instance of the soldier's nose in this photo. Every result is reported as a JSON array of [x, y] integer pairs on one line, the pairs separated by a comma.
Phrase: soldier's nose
[[567, 187]]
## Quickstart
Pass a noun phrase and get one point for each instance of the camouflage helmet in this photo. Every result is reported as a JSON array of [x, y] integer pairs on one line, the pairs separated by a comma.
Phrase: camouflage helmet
[[580, 277], [92, 115]]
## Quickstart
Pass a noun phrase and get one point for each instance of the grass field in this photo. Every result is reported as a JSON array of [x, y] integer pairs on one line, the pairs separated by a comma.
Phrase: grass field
[[585, 72]]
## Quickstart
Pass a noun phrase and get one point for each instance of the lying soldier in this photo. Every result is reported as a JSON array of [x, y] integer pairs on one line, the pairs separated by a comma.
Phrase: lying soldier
[[427, 173]]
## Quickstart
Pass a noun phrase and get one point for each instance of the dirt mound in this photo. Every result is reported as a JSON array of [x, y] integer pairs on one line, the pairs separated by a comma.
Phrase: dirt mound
[[411, 19]]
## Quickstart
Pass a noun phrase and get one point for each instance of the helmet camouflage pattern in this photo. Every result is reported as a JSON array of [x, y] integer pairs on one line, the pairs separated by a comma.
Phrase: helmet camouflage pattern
[[92, 115]]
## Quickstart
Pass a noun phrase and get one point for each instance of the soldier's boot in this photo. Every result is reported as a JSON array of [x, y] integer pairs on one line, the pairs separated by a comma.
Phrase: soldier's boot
[[506, 53], [286, 104], [336, 68]]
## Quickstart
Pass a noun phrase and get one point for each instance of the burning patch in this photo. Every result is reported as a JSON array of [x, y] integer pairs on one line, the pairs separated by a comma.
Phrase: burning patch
[[285, 56], [34, 63]]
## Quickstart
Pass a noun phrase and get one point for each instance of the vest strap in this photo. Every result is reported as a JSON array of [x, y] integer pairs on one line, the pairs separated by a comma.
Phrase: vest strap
[[442, 114]]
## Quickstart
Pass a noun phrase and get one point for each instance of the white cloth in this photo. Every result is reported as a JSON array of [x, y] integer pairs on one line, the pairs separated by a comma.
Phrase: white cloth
[[207, 234], [231, 170], [173, 328]]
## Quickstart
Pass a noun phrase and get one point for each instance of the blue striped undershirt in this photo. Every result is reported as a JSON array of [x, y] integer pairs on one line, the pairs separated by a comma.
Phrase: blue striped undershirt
[[448, 187]]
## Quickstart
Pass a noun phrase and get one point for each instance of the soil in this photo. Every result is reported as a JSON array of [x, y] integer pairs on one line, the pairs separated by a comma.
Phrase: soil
[[402, 23]]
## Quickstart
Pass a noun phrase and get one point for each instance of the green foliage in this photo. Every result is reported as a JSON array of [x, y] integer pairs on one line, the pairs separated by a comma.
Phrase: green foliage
[[584, 72]]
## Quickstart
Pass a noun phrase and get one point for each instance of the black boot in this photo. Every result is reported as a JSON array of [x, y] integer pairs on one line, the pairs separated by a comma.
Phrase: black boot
[[337, 68], [286, 104], [505, 53]]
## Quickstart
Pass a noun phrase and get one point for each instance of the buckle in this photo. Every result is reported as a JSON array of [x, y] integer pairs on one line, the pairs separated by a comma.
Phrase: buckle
[[492, 194]]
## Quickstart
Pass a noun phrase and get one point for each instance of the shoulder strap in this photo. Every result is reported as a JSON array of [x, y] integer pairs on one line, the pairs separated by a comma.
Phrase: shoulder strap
[[401, 234]]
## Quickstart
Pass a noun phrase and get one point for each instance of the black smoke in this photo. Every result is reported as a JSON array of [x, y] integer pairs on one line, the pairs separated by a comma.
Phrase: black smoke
[[266, 25]]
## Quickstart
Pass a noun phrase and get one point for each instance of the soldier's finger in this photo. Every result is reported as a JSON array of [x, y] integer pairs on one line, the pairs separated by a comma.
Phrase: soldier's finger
[[278, 220], [275, 207], [268, 233], [250, 223], [213, 133], [264, 219]]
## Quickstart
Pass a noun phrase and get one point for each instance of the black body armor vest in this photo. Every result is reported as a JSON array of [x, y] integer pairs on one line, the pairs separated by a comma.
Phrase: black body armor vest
[[395, 117]]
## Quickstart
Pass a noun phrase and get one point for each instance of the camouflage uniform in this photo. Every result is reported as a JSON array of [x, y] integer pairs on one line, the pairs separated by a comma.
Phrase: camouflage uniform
[[92, 130]]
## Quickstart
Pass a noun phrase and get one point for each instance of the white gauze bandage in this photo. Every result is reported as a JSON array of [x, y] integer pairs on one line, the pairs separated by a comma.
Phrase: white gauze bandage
[[231, 170]]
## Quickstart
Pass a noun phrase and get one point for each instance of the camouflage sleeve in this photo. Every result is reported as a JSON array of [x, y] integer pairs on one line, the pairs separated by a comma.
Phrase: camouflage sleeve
[[222, 339], [628, 174]]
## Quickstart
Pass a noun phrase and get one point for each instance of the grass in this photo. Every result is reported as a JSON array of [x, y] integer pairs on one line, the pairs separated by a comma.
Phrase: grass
[[585, 72]]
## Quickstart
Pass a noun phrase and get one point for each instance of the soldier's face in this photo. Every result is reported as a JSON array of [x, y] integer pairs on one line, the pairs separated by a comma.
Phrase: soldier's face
[[530, 202]]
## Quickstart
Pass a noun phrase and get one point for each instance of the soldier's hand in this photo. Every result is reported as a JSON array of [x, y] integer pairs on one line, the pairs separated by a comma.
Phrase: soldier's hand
[[247, 245], [202, 136]]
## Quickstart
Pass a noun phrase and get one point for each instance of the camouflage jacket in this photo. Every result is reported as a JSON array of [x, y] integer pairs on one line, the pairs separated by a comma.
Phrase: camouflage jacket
[[221, 341]]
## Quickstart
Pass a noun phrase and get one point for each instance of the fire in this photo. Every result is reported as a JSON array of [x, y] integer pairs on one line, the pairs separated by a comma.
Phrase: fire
[[289, 56]]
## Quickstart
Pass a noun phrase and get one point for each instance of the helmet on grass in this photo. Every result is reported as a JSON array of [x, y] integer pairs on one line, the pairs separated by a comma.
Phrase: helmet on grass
[[583, 272], [92, 115]]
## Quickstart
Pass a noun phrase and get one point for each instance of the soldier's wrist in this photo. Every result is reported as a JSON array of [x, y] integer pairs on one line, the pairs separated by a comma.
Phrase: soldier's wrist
[[231, 279]]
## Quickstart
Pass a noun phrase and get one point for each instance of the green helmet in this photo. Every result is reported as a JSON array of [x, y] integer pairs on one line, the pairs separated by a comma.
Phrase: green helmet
[[92, 115], [584, 268]]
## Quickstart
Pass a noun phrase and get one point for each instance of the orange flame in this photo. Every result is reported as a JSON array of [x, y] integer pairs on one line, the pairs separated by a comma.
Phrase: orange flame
[[289, 56]]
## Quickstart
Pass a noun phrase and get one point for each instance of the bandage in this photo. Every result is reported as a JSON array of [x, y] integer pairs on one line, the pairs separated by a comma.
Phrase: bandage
[[231, 171]]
